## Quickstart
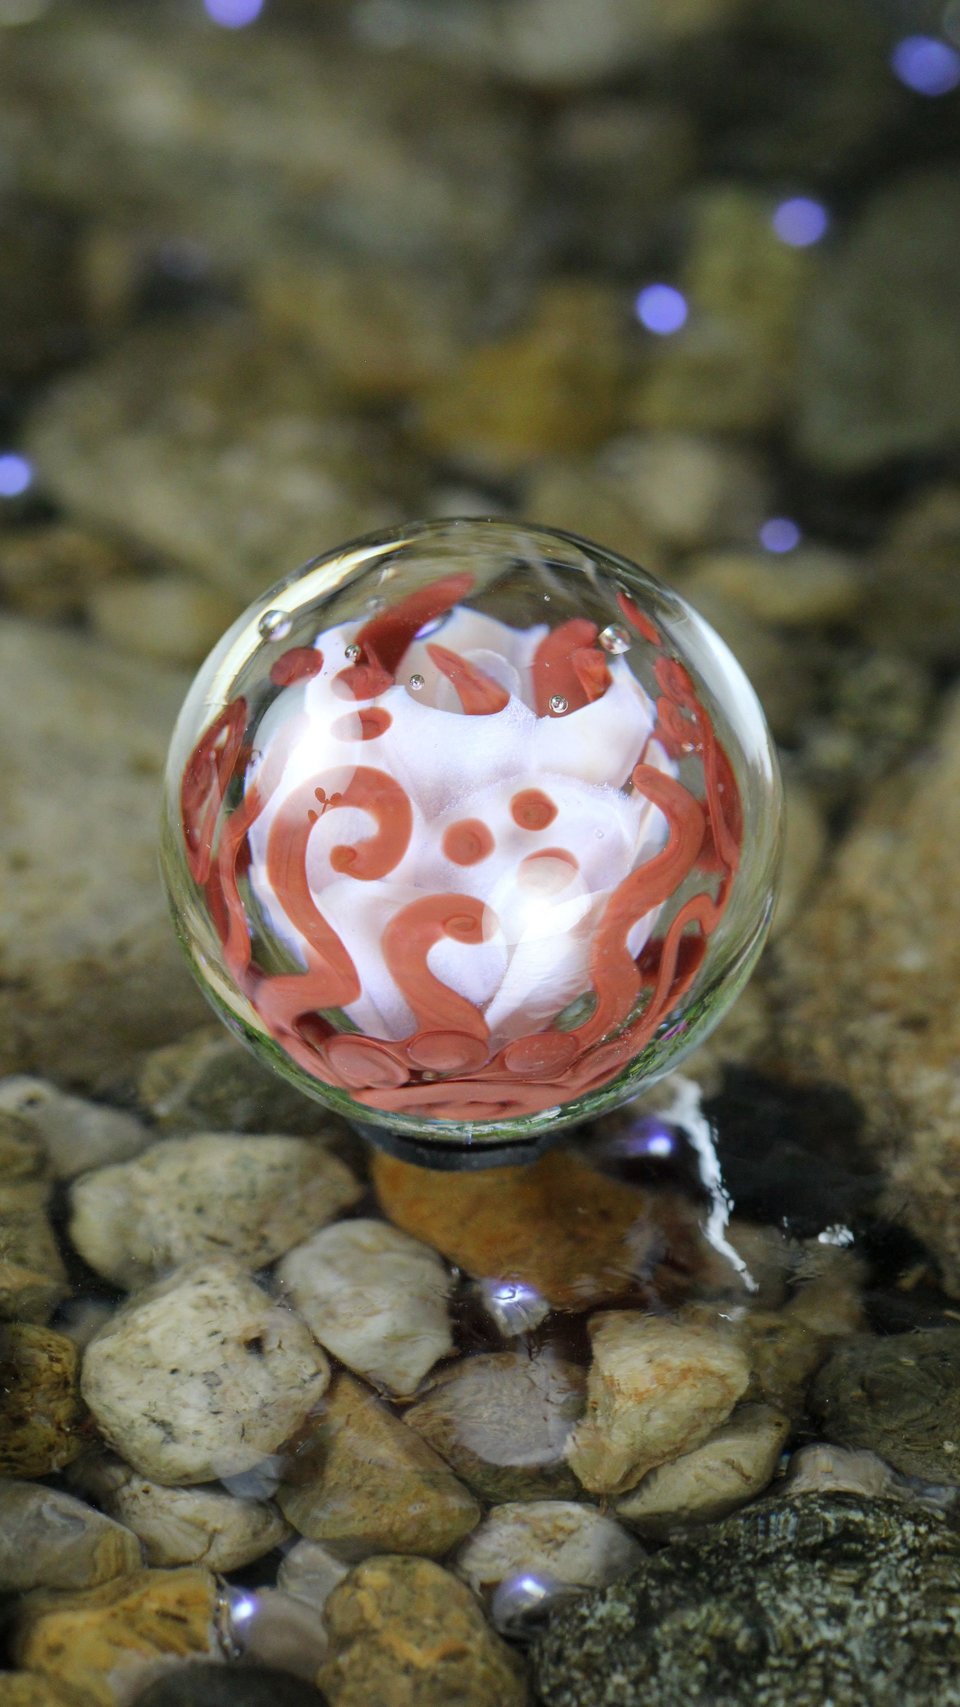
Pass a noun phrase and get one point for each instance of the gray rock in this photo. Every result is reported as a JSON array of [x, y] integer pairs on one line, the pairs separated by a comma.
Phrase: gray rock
[[201, 1376], [897, 1396], [310, 1572], [815, 1600], [91, 973], [212, 1194], [275, 1629], [207, 1082], [558, 1540], [51, 1540], [881, 373], [75, 1134]]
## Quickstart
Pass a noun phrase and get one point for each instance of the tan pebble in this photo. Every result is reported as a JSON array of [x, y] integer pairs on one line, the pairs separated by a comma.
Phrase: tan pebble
[[42, 1419], [311, 1572], [32, 1276], [48, 1539], [32, 1689], [824, 1469], [182, 1526], [734, 1465], [807, 588], [559, 1539], [75, 1134], [172, 619], [276, 1629]]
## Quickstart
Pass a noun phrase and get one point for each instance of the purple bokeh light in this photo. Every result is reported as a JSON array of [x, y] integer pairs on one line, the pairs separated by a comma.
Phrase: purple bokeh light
[[800, 221], [926, 65], [16, 474], [233, 14], [779, 534], [661, 308]]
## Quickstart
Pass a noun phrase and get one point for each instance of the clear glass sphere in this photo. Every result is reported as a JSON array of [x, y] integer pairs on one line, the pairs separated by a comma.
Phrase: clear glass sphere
[[471, 829]]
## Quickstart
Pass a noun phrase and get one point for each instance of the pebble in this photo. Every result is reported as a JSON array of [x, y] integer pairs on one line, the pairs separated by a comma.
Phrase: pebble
[[734, 1465], [107, 1642], [207, 1082], [760, 1609], [406, 1633], [232, 1686], [49, 1539], [375, 1298], [502, 1422], [824, 1469], [553, 385], [366, 1483], [173, 619], [275, 1629], [212, 1194], [182, 1526], [913, 592], [656, 1388], [554, 1539], [97, 735], [310, 1572], [75, 1134], [201, 1376], [784, 1355], [804, 849], [898, 1396], [695, 492], [48, 573], [811, 587], [42, 1419], [573, 1234], [22, 1155], [32, 1276], [30, 1689]]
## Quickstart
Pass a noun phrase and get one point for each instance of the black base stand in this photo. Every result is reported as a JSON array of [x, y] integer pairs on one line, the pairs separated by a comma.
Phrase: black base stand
[[457, 1158]]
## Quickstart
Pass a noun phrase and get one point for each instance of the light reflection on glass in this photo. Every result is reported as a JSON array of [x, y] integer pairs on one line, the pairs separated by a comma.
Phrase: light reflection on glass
[[16, 474], [800, 221], [926, 65], [662, 309], [779, 534], [233, 14]]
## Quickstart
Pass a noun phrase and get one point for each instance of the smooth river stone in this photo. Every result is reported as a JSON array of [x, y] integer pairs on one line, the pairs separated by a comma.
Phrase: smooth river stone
[[107, 1642], [366, 1483], [182, 1526], [575, 1235], [502, 1422], [212, 1194], [657, 1388], [557, 1539], [734, 1465], [202, 1376], [405, 1633], [75, 1134], [42, 1416], [51, 1540], [375, 1298], [310, 1572]]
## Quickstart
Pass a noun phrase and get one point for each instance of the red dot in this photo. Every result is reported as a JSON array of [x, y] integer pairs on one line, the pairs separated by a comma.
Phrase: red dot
[[532, 809], [543, 1053], [467, 842], [365, 1062], [447, 1052], [296, 665]]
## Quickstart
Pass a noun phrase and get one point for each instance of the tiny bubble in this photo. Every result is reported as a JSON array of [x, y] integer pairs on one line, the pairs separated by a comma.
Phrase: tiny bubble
[[614, 638], [558, 704], [352, 653], [274, 625], [416, 683]]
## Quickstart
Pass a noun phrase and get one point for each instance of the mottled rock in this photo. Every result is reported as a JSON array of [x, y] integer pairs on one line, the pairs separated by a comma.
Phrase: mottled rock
[[375, 1298], [807, 588], [552, 385], [42, 1419], [365, 1483], [32, 1275], [734, 1465], [898, 1396], [236, 1686], [22, 1155], [784, 1354], [207, 1082], [557, 1225], [870, 976], [201, 1375], [556, 1539], [656, 1388], [49, 572], [108, 1641], [51, 1540], [502, 1423], [311, 1572], [91, 972], [75, 1134], [405, 1633], [170, 618], [733, 365], [182, 1526], [211, 1194], [32, 1689], [878, 382]]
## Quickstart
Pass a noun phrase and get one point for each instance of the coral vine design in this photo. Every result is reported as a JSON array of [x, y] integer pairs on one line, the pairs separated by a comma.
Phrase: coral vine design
[[492, 948]]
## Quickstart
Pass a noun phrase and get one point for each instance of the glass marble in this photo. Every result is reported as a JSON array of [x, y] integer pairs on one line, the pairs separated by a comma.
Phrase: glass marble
[[471, 830]]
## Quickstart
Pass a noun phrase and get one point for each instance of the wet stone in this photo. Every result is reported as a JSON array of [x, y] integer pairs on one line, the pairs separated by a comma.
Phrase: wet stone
[[656, 1388], [201, 1376], [807, 588], [733, 1466], [181, 1526], [173, 619], [107, 1641], [75, 1134], [759, 1610], [30, 1689], [913, 590], [898, 1396], [405, 1633], [310, 1572], [363, 1482], [212, 1194], [32, 1276], [824, 1469], [275, 1629], [50, 572], [502, 1422], [49, 1539], [233, 1686], [206, 1082], [553, 1539], [43, 1421], [375, 1298]]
